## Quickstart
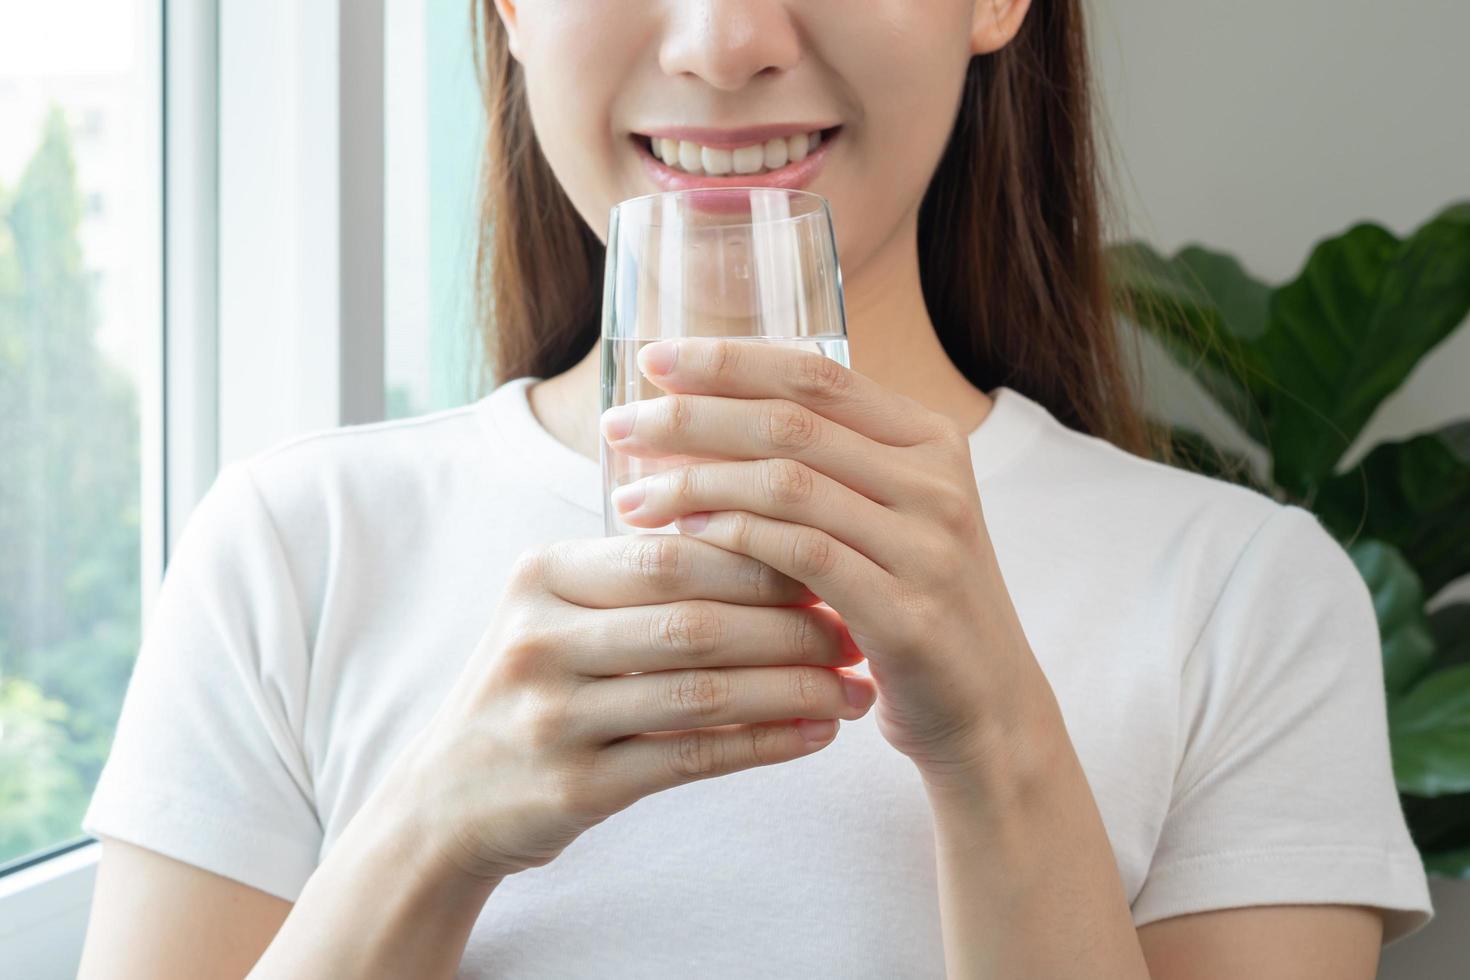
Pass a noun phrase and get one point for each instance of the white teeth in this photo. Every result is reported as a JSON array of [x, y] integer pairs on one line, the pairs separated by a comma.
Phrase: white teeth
[[775, 154], [716, 162], [755, 159], [749, 159], [689, 157]]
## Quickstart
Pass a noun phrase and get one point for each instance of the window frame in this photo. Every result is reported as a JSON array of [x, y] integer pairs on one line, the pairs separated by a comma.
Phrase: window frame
[[300, 208], [241, 176]]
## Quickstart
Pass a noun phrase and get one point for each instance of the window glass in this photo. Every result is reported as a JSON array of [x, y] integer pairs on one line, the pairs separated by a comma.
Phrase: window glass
[[80, 273], [432, 130]]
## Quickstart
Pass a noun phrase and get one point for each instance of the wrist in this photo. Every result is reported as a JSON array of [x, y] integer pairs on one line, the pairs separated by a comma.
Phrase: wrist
[[1010, 760], [405, 817], [383, 903]]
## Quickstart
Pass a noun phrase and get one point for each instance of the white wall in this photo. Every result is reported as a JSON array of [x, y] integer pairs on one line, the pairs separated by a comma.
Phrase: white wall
[[1259, 127]]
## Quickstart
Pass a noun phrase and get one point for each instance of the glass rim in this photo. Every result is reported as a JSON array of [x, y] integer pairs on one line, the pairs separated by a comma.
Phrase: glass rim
[[823, 206]]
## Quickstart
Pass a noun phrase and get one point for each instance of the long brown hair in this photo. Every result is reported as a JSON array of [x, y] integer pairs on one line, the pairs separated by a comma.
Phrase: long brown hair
[[1010, 234]]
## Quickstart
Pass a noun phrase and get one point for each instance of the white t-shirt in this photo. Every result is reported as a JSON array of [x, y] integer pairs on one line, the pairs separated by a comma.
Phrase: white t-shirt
[[1214, 653]]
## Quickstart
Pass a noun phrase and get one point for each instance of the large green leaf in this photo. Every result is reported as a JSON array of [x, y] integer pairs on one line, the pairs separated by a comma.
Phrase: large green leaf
[[1205, 309], [1348, 330], [1429, 731], [1302, 368], [1398, 600], [1414, 495]]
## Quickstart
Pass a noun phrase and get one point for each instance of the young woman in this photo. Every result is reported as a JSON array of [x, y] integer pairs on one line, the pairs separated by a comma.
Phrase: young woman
[[402, 710]]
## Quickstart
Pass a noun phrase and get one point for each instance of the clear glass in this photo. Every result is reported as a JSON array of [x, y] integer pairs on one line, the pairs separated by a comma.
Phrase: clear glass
[[753, 263], [80, 320]]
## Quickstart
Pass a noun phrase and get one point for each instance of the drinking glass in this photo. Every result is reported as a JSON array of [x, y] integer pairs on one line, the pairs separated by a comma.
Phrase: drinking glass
[[758, 264]]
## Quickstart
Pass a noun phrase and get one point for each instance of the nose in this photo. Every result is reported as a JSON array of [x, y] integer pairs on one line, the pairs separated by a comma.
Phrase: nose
[[729, 42]]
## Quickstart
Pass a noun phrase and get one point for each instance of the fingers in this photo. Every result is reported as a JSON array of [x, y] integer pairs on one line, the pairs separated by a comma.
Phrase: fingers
[[704, 633], [741, 369], [656, 761], [635, 569], [779, 488], [716, 428], [672, 700], [843, 576]]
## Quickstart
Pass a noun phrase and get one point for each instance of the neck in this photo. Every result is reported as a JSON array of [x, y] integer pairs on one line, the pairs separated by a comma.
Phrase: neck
[[891, 339]]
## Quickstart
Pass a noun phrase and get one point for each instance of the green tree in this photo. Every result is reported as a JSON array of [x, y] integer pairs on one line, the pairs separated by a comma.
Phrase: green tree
[[69, 511]]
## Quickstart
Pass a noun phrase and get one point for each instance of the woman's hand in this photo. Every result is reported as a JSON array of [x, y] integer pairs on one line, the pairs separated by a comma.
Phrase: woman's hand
[[867, 498], [617, 667]]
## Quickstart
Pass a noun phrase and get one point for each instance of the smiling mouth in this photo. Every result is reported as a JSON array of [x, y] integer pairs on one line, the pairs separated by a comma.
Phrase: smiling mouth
[[754, 160]]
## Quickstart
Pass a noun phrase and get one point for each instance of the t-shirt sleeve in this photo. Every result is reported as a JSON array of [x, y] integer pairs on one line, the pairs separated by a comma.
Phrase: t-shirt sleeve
[[206, 764], [1284, 792]]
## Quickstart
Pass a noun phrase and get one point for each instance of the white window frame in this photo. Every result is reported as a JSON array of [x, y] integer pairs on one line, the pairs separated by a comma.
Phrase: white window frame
[[273, 174], [301, 219]]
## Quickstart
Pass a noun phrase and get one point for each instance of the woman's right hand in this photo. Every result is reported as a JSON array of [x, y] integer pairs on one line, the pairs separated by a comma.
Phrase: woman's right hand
[[549, 730]]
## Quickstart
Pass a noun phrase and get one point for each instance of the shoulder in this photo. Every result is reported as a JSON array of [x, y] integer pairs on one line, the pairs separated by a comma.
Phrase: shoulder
[[1163, 530], [1098, 488], [395, 465]]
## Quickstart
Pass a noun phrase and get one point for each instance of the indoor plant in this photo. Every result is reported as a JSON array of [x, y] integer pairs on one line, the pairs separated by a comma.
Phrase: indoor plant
[[1300, 368]]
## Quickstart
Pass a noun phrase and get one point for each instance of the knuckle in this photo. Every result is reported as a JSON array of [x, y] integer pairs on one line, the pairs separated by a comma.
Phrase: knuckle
[[527, 646], [695, 753], [812, 554], [948, 503], [764, 581], [679, 415], [738, 526], [788, 427], [760, 744], [957, 512], [571, 792], [698, 693], [723, 360], [680, 483], [521, 654], [806, 691], [821, 377], [657, 560], [806, 636], [788, 481], [529, 565], [693, 628], [542, 719]]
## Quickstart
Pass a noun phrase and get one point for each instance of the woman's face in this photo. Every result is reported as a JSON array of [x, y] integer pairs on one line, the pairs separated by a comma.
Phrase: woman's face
[[881, 79]]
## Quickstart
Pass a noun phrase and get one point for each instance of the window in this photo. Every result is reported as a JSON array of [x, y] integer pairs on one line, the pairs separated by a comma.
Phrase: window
[[433, 128], [80, 333]]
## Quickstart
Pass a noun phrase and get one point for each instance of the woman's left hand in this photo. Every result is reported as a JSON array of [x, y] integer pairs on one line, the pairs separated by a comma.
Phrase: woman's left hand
[[870, 500]]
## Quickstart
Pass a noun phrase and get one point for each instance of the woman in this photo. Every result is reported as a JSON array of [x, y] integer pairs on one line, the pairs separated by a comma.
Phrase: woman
[[1154, 746]]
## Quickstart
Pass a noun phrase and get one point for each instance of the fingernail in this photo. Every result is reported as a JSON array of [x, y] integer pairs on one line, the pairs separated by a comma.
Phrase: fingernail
[[617, 421], [856, 691], [816, 729], [625, 498], [659, 358], [692, 522]]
